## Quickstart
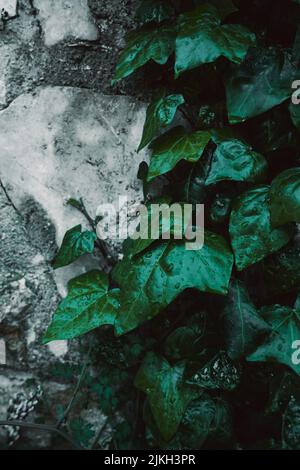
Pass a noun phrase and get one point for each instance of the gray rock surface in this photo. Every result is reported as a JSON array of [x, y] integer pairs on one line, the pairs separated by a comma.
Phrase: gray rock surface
[[61, 135], [63, 20], [46, 45]]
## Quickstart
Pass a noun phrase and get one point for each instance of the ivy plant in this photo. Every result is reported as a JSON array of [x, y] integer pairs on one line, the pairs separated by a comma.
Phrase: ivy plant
[[206, 337]]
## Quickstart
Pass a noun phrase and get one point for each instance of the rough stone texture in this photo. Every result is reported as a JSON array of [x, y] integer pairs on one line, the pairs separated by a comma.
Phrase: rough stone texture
[[8, 8], [64, 20], [61, 136], [77, 57], [83, 145]]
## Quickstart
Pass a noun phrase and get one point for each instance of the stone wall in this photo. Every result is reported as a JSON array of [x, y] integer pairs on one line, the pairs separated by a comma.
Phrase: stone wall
[[64, 132]]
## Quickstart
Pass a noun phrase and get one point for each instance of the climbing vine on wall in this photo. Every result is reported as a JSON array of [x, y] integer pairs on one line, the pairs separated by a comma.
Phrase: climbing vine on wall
[[197, 346]]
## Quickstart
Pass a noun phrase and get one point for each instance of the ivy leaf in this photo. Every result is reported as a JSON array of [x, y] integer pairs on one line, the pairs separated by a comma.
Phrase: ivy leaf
[[252, 236], [237, 161], [205, 418], [261, 82], [148, 43], [153, 10], [160, 113], [75, 244], [285, 324], [174, 146], [285, 197], [219, 373], [202, 39], [243, 327], [157, 276], [168, 396], [88, 305]]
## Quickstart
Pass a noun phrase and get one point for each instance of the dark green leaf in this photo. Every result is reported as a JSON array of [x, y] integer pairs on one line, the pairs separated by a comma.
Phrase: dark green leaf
[[243, 327], [173, 146], [88, 305], [156, 277], [148, 43], [160, 113], [261, 82], [237, 161], [278, 347], [202, 39], [75, 244], [252, 236], [167, 394], [205, 418], [285, 197]]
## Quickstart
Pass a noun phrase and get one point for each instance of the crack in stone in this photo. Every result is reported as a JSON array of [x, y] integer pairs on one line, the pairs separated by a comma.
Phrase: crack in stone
[[9, 198]]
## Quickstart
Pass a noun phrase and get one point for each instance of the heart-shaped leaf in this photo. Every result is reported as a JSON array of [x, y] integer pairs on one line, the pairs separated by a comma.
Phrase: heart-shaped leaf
[[204, 418], [75, 244], [168, 396], [261, 82], [159, 274], [278, 347], [88, 305], [237, 161], [151, 42], [160, 113], [202, 39], [174, 146]]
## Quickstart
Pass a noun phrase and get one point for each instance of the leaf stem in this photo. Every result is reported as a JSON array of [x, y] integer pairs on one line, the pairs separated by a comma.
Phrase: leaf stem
[[41, 427], [101, 245], [76, 390]]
